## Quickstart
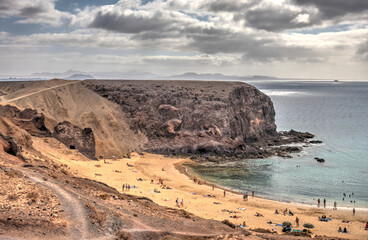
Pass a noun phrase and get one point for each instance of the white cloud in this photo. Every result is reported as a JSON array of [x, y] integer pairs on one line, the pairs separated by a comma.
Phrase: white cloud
[[182, 34], [33, 11]]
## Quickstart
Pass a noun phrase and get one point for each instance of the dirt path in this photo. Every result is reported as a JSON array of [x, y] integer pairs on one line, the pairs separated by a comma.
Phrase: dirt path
[[2, 100], [74, 208]]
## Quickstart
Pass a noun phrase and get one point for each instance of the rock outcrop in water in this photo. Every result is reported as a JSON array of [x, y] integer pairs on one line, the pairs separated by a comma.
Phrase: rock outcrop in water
[[196, 117]]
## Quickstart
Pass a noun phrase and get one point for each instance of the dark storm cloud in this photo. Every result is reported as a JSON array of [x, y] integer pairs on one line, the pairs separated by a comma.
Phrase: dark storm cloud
[[335, 8], [252, 48], [129, 23], [31, 11], [275, 19], [228, 6], [6, 5]]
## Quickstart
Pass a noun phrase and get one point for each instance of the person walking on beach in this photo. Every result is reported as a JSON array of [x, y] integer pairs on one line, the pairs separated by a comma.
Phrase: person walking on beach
[[297, 221], [353, 211], [224, 193], [182, 203], [335, 206], [324, 202], [213, 187], [319, 202], [177, 202], [252, 193]]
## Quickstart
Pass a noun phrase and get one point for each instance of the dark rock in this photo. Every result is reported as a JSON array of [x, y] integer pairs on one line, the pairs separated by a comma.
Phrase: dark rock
[[75, 137], [192, 116], [28, 119], [315, 141], [319, 159]]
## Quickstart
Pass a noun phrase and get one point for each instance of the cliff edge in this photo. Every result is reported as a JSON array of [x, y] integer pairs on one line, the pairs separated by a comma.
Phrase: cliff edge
[[194, 117]]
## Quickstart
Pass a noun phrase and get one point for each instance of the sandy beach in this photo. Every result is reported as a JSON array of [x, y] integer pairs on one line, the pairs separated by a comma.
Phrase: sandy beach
[[139, 171]]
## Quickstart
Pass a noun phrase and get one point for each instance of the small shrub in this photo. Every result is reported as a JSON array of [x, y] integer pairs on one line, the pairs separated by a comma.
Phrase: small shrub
[[64, 171], [230, 224], [298, 234], [104, 196], [121, 235], [14, 173], [33, 196], [262, 230], [122, 197], [13, 197], [99, 216]]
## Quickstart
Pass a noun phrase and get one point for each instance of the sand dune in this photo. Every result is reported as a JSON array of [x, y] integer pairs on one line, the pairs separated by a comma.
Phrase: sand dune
[[69, 101]]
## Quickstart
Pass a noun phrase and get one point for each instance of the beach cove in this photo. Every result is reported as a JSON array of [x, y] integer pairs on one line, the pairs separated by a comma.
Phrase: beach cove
[[203, 201]]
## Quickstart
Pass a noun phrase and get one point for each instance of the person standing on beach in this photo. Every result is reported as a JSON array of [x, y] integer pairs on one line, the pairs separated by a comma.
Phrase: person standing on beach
[[177, 202], [324, 202], [353, 211], [224, 193], [252, 193], [182, 202], [335, 206], [297, 221], [213, 187], [319, 202]]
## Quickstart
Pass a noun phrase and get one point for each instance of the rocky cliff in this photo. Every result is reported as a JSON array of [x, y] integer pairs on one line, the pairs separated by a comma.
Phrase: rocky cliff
[[194, 116], [103, 118]]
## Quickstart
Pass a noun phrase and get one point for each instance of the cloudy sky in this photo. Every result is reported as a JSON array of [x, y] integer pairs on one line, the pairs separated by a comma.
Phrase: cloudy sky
[[284, 38]]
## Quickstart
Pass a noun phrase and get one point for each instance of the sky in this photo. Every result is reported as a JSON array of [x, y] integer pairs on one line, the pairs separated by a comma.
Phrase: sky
[[284, 38]]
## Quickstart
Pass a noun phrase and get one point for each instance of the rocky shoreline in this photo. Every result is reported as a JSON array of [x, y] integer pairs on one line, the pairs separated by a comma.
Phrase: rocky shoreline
[[283, 146]]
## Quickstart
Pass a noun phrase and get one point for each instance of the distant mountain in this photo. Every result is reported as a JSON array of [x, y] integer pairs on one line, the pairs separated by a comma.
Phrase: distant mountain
[[133, 75], [50, 75], [138, 75], [217, 76], [79, 77]]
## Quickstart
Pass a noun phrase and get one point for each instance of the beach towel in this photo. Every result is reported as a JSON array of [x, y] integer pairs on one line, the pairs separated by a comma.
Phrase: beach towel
[[241, 208]]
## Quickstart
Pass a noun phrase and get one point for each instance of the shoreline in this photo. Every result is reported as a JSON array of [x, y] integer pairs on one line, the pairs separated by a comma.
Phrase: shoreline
[[140, 170], [191, 175]]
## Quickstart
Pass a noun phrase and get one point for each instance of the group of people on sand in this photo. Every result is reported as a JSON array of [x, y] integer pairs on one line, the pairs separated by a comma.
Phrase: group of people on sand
[[319, 202], [285, 212], [181, 204], [126, 187], [346, 231]]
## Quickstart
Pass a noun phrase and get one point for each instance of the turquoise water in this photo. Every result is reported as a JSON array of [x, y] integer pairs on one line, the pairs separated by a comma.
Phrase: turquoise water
[[337, 113]]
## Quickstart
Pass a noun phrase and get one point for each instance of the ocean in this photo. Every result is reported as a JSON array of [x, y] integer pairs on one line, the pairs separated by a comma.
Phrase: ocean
[[337, 113]]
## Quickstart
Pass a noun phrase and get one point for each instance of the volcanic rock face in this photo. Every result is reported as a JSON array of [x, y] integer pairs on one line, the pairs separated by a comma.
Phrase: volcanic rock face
[[28, 119], [193, 116], [33, 123], [76, 138]]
